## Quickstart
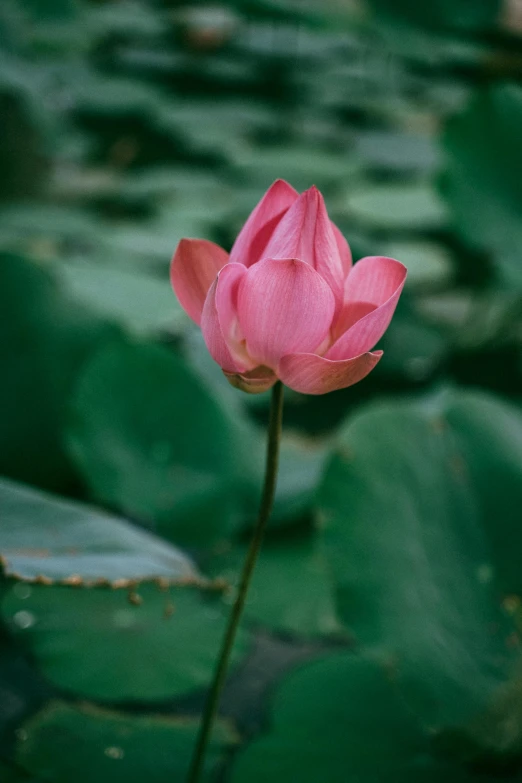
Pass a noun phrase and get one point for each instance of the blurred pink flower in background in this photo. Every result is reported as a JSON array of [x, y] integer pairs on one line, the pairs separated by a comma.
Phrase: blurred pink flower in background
[[287, 303]]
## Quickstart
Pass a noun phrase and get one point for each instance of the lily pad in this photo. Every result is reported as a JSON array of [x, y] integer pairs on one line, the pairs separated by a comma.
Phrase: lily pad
[[86, 744], [45, 339], [153, 441], [408, 533], [47, 539], [146, 645], [341, 719], [413, 206], [482, 182], [140, 302], [291, 590]]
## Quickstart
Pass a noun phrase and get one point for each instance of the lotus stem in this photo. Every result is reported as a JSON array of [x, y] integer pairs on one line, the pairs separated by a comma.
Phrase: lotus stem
[[265, 509]]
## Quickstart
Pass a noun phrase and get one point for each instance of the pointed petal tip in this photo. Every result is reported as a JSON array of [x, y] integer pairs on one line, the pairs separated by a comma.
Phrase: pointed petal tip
[[253, 238], [280, 182]]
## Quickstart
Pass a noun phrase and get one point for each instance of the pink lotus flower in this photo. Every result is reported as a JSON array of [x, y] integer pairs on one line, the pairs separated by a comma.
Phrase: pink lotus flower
[[287, 302]]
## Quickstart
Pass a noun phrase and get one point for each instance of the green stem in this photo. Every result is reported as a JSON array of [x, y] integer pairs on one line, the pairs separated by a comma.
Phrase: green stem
[[267, 501]]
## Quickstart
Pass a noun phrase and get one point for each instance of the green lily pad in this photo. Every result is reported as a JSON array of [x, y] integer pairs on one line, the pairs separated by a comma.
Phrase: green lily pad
[[405, 508], [112, 646], [46, 338], [291, 589], [411, 206], [152, 440], [141, 302], [394, 151], [11, 774], [48, 539], [86, 744], [488, 434], [429, 264], [301, 166], [301, 467], [442, 15], [341, 719], [482, 182]]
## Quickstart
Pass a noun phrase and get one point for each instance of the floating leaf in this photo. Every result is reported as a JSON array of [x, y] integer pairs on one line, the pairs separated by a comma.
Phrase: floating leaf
[[341, 719], [12, 774], [442, 15], [46, 338], [412, 206], [394, 151], [141, 302], [482, 182], [291, 588], [109, 645], [62, 743], [48, 539], [407, 535], [429, 264], [301, 465], [153, 441]]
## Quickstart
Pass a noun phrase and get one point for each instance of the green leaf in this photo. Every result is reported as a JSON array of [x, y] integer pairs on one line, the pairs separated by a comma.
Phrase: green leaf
[[106, 645], [301, 465], [482, 182], [441, 14], [340, 719], [45, 538], [62, 744], [291, 588], [411, 206], [429, 264], [404, 525], [395, 151], [301, 166], [413, 348], [140, 302], [488, 434], [45, 339], [11, 774], [152, 440]]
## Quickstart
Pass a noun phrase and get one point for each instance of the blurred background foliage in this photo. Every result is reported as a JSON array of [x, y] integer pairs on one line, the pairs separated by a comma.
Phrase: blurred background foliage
[[381, 637]]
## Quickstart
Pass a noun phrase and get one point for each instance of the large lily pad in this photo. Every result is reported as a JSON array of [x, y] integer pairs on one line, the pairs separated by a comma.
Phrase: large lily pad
[[11, 774], [340, 719], [141, 302], [482, 181], [415, 548], [45, 339], [291, 589], [47, 539], [88, 745], [111, 645], [152, 440], [413, 206]]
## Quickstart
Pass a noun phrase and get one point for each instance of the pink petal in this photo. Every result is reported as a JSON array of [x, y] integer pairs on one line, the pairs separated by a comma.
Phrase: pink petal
[[311, 374], [349, 315], [344, 250], [221, 293], [255, 234], [258, 380], [227, 291], [284, 306], [305, 232], [194, 266], [374, 285], [374, 279]]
